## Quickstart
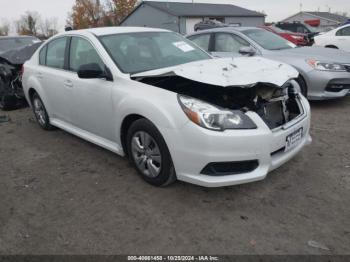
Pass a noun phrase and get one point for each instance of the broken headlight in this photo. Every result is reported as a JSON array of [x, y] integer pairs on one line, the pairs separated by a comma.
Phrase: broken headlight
[[213, 117], [324, 66]]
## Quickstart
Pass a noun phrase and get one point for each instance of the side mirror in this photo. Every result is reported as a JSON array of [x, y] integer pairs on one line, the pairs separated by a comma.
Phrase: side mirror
[[247, 50], [90, 71]]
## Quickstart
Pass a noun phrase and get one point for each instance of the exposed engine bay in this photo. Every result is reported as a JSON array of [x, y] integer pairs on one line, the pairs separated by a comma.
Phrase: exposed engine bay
[[275, 105], [11, 62]]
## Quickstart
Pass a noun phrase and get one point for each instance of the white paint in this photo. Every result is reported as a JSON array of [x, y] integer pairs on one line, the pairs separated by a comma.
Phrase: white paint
[[240, 71]]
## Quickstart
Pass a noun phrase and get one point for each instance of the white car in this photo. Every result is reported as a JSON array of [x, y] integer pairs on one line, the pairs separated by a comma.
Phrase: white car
[[176, 112], [338, 38]]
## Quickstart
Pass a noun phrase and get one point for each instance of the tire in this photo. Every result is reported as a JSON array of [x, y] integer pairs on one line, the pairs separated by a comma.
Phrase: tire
[[332, 46], [303, 86], [149, 154], [40, 113]]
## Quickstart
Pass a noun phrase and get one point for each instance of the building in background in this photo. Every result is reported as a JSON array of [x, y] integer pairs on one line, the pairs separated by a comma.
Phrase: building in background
[[327, 20], [182, 17]]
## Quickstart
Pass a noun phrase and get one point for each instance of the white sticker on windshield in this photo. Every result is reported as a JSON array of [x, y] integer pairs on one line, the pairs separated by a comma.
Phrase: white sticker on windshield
[[183, 46]]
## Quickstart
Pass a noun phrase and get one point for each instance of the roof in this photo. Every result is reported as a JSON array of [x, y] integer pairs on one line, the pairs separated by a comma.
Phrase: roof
[[330, 16], [225, 29], [199, 9], [100, 31]]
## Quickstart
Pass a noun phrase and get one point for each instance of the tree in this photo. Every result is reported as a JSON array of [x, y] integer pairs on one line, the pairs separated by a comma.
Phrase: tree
[[121, 8], [4, 28], [86, 13], [28, 24], [49, 27]]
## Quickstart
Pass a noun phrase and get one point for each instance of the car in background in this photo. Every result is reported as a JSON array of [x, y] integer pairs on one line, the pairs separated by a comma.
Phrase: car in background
[[8, 43], [347, 22], [208, 24], [15, 51], [338, 38], [324, 73], [298, 27], [296, 38], [176, 112]]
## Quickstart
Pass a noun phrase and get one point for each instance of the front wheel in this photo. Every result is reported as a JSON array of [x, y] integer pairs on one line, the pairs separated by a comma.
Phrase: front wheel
[[8, 102], [40, 113], [303, 86], [149, 153]]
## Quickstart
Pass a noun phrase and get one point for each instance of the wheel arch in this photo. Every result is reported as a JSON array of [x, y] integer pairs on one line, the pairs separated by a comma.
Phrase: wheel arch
[[126, 123], [331, 46]]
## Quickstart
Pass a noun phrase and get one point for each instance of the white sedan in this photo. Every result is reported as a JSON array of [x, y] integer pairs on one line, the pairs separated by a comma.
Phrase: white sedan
[[176, 112], [338, 38]]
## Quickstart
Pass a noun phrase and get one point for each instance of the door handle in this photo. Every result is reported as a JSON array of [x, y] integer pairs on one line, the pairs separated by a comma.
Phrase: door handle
[[68, 83], [39, 75]]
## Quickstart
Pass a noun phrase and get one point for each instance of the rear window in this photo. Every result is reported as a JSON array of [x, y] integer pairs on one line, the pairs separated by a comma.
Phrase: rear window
[[55, 53], [42, 56]]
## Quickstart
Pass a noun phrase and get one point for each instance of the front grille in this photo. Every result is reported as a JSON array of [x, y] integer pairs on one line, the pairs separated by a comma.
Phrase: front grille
[[337, 87], [230, 168]]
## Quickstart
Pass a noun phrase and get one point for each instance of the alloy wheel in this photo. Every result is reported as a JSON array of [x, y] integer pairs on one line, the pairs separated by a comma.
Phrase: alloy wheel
[[146, 154], [39, 111]]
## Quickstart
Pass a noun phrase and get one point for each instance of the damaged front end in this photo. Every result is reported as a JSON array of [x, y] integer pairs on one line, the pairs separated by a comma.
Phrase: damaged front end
[[229, 88], [276, 105]]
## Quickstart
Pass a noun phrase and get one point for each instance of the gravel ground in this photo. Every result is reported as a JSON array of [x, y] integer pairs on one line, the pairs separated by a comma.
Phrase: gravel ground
[[62, 195]]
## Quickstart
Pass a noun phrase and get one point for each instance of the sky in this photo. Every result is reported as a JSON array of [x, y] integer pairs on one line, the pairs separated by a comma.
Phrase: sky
[[275, 9]]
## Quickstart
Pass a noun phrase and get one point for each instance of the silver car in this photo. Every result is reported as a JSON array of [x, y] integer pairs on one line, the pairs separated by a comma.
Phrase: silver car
[[324, 73]]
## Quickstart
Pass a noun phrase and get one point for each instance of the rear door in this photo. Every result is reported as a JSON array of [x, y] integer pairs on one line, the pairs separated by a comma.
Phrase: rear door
[[92, 107], [342, 39], [52, 74]]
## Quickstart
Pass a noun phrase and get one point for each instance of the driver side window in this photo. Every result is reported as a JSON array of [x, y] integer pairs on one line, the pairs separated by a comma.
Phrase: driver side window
[[82, 53], [343, 32], [229, 43]]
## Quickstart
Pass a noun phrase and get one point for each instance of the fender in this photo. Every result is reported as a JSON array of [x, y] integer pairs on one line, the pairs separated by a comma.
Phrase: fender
[[147, 106]]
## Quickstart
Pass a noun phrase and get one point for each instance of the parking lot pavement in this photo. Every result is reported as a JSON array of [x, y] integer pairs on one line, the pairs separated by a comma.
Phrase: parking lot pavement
[[62, 195]]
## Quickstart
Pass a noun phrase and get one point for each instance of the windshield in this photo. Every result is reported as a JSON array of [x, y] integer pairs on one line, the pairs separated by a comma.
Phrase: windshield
[[277, 29], [312, 29], [268, 40], [8, 44], [145, 51]]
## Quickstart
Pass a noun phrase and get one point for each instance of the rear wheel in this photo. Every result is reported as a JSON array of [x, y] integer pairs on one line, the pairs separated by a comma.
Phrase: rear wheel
[[149, 153], [40, 113]]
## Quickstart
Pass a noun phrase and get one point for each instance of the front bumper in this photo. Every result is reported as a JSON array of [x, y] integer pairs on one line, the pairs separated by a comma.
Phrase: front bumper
[[194, 148], [325, 85]]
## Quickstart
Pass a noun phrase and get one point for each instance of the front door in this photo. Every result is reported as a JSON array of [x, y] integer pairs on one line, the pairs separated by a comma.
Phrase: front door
[[92, 107], [342, 38]]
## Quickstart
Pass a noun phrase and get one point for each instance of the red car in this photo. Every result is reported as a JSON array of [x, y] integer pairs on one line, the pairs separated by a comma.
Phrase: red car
[[296, 38]]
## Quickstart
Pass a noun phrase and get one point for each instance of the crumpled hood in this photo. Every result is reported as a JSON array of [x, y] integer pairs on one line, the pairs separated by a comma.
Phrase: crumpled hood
[[238, 71], [314, 52]]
